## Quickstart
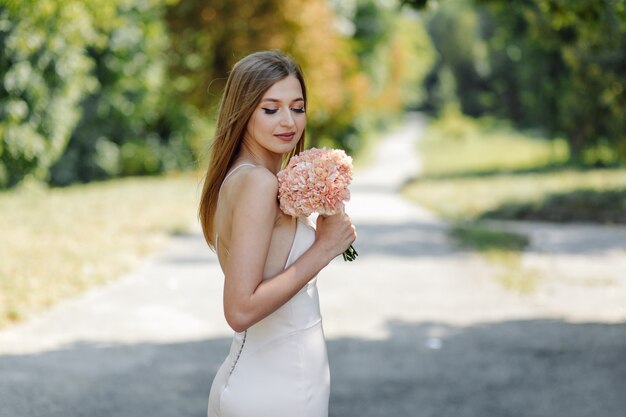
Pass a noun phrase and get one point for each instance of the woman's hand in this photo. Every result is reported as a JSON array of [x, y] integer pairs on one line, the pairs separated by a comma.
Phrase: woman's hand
[[334, 233]]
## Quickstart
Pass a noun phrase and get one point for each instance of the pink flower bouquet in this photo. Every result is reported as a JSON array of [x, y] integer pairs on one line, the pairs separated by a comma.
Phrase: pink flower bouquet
[[316, 181]]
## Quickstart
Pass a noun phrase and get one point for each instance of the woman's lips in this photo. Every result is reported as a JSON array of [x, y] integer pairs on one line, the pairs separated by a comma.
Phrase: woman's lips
[[286, 136]]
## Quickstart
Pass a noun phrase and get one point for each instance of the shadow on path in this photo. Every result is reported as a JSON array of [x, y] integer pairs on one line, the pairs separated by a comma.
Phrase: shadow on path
[[511, 368], [544, 169], [407, 239]]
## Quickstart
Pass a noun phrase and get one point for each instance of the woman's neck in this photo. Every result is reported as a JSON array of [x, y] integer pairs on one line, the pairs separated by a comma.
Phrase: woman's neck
[[265, 159]]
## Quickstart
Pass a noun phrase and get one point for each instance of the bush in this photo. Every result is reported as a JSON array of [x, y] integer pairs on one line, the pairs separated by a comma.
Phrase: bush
[[45, 74], [81, 79], [606, 206], [556, 66], [127, 125]]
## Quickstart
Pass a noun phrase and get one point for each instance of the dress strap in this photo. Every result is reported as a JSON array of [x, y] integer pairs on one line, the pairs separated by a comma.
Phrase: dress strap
[[223, 181], [232, 171], [236, 168]]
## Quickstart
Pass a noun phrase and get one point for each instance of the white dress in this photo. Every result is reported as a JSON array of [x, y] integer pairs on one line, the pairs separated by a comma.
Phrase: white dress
[[279, 366]]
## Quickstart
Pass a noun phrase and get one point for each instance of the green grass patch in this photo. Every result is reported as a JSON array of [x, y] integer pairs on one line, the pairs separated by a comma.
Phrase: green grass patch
[[509, 195], [606, 206], [483, 239], [57, 242], [457, 145], [502, 249], [512, 275], [475, 170]]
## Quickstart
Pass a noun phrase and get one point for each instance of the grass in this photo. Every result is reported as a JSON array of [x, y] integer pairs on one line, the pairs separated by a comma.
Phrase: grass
[[589, 205], [459, 146], [502, 249], [486, 240], [513, 275], [472, 197], [472, 170], [57, 242]]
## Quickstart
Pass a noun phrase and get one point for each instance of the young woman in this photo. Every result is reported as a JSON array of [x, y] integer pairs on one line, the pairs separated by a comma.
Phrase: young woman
[[278, 364]]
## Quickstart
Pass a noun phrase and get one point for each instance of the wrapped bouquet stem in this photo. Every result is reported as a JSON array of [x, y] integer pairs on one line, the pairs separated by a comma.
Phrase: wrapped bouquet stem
[[316, 181]]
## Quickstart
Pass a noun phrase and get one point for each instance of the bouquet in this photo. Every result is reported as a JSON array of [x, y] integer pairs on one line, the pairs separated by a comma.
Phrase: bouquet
[[316, 181]]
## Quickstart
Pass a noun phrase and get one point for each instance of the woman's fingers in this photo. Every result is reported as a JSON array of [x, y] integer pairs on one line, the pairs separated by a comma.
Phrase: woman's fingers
[[336, 231]]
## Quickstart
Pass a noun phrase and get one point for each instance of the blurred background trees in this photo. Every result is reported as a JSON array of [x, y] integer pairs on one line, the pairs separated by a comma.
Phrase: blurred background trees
[[556, 65], [93, 89], [84, 91]]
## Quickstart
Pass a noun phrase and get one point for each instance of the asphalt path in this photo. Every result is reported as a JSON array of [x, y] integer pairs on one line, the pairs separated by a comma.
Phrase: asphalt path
[[415, 326]]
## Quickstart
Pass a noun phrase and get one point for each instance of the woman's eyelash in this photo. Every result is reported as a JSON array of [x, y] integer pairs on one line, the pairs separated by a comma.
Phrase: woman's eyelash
[[272, 111]]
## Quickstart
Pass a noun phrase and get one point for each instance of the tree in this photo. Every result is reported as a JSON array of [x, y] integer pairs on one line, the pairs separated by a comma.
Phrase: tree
[[555, 64], [124, 126], [44, 74], [83, 92], [208, 38]]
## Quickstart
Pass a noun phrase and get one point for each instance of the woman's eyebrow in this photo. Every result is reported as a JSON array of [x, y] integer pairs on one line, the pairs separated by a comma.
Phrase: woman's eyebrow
[[275, 100]]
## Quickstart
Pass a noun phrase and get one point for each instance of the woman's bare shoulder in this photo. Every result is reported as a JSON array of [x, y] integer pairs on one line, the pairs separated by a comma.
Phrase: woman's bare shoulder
[[254, 184], [256, 177]]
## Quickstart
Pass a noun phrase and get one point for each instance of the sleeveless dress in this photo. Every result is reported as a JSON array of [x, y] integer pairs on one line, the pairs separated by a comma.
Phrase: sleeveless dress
[[279, 366]]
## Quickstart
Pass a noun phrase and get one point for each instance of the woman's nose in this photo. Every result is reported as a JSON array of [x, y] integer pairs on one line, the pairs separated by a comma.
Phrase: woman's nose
[[287, 119]]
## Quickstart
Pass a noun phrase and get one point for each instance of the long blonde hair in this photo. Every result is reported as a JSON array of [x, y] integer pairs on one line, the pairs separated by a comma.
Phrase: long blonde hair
[[248, 81]]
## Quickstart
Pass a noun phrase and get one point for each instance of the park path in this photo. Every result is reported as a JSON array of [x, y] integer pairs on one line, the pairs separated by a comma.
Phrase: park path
[[415, 327]]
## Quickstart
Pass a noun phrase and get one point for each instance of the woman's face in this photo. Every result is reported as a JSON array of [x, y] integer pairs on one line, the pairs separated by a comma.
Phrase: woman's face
[[279, 120]]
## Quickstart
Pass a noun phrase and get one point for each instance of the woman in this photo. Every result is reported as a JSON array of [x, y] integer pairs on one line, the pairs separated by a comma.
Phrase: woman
[[278, 364]]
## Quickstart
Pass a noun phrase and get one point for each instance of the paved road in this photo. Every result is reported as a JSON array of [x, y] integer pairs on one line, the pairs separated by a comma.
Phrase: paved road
[[415, 327]]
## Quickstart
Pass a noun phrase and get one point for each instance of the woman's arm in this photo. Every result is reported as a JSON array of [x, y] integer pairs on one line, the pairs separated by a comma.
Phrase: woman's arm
[[247, 297]]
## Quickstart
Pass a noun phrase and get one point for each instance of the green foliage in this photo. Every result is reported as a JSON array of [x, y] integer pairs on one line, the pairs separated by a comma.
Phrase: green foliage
[[485, 239], [415, 59], [558, 65], [44, 73], [585, 205], [95, 89], [482, 169], [358, 78], [454, 29], [208, 38], [125, 126], [373, 25], [394, 50], [80, 79], [418, 4], [579, 45], [456, 145], [503, 249], [394, 53]]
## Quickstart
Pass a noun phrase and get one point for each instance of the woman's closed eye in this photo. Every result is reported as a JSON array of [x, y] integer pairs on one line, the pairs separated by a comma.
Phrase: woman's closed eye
[[272, 111]]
